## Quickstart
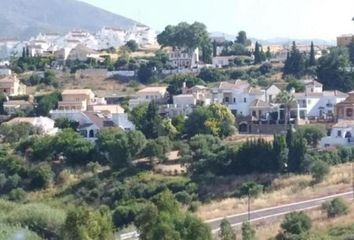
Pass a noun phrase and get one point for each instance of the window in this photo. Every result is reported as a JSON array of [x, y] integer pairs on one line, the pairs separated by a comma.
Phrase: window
[[349, 112], [339, 133], [226, 100], [244, 99], [234, 100]]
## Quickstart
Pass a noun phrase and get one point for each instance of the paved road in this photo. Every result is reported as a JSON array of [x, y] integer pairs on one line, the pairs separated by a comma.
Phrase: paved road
[[263, 214]]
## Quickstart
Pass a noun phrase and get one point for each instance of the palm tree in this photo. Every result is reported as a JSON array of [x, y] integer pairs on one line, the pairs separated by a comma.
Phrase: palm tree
[[286, 99]]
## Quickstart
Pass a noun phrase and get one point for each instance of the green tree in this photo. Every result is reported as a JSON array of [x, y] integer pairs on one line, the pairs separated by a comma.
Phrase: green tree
[[268, 54], [295, 63], [297, 152], [295, 84], [42, 176], [313, 134], [242, 39], [248, 232], [151, 121], [119, 147], [286, 100], [164, 220], [147, 73], [332, 70], [281, 152], [226, 232], [82, 223], [132, 45], [312, 58], [211, 75], [215, 119], [49, 78], [64, 123], [351, 52], [335, 207], [257, 54], [251, 189], [46, 103], [13, 133]]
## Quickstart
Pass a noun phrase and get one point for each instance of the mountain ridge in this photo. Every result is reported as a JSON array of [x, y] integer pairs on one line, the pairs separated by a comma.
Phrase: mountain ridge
[[22, 19]]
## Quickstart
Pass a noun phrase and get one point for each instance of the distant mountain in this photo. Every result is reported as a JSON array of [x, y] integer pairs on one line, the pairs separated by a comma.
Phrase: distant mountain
[[24, 18], [276, 41]]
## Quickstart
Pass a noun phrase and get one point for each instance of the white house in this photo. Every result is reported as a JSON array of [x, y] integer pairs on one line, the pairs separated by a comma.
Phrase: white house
[[44, 123], [148, 94], [238, 96], [341, 135], [222, 61], [271, 93], [184, 58], [316, 103], [90, 123]]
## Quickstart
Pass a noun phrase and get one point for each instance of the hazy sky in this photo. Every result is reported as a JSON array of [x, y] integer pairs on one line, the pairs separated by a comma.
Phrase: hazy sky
[[263, 19]]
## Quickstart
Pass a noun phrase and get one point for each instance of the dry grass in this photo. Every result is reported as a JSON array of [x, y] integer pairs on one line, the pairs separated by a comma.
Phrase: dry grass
[[320, 223], [239, 138], [283, 190]]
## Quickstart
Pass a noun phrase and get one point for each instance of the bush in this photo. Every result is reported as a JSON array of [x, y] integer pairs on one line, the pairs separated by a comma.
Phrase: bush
[[9, 231], [335, 207], [194, 206], [183, 197], [319, 170], [84, 223], [39, 218], [42, 176], [17, 195], [125, 214], [248, 233], [296, 223]]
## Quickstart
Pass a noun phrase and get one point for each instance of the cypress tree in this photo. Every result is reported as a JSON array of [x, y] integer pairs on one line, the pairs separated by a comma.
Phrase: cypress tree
[[268, 54], [257, 54], [312, 60], [280, 151]]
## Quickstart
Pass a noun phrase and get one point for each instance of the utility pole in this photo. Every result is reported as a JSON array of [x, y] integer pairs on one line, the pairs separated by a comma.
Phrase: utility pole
[[249, 205]]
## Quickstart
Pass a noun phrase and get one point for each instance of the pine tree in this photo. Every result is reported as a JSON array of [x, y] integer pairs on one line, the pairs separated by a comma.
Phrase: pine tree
[[226, 231], [257, 54], [312, 60]]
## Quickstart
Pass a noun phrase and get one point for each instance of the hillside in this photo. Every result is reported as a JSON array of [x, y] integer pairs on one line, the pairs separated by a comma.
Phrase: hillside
[[24, 18]]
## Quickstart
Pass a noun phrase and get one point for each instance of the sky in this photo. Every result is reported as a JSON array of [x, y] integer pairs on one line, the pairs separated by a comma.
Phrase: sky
[[262, 19]]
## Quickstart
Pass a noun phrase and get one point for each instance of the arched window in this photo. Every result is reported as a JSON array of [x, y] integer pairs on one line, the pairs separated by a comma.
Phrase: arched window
[[91, 134]]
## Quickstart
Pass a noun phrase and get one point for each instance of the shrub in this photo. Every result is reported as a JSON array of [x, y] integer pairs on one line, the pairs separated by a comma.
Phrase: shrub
[[17, 195], [42, 176], [84, 223], [183, 197], [39, 218], [319, 170], [126, 213], [248, 233], [9, 232], [194, 206], [335, 207], [296, 223]]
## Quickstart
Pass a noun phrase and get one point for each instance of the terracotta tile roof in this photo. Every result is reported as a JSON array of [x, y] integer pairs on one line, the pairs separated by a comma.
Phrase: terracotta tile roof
[[260, 104], [153, 89], [344, 124]]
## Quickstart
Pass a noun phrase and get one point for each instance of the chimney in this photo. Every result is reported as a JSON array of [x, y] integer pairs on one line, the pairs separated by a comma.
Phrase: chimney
[[184, 88]]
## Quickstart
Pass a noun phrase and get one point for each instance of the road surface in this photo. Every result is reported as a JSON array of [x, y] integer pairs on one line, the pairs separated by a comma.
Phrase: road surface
[[261, 214]]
